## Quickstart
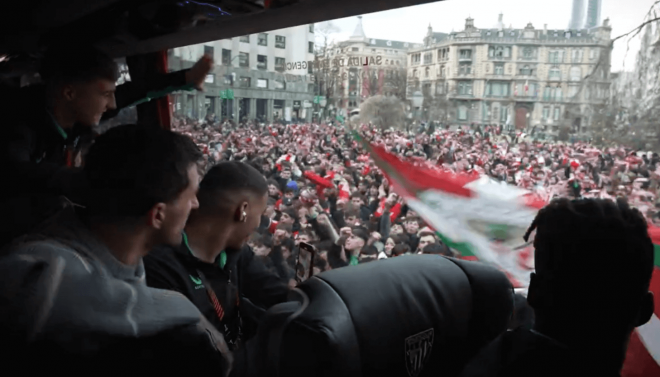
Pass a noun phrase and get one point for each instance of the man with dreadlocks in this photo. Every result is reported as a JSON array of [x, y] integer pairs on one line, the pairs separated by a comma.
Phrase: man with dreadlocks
[[594, 260]]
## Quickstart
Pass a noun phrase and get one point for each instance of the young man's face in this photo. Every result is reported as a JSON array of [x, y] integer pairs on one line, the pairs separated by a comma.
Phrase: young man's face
[[170, 218], [273, 190], [88, 101], [373, 191], [426, 240], [357, 202], [289, 195], [411, 227], [286, 174], [261, 250], [354, 242], [397, 229], [286, 219], [351, 220], [302, 238]]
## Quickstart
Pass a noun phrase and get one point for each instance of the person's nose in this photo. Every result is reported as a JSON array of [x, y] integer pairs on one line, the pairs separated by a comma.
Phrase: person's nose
[[112, 103]]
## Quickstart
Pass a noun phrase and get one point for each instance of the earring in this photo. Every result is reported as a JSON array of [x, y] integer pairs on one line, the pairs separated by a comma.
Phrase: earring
[[244, 216]]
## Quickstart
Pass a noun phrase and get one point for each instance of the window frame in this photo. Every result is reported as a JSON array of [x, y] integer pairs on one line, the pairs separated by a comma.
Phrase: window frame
[[264, 39], [280, 42]]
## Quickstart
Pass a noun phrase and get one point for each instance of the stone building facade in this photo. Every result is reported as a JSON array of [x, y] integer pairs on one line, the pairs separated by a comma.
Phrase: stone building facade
[[259, 69], [516, 77], [360, 67]]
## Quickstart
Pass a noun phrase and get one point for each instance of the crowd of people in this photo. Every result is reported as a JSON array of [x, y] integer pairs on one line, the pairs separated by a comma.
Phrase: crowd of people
[[120, 256], [319, 175]]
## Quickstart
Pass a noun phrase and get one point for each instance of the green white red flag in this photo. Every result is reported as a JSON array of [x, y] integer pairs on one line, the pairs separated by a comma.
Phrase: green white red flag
[[486, 220], [474, 215]]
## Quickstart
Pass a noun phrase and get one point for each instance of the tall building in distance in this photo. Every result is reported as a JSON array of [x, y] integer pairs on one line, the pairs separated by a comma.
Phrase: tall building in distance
[[593, 14], [585, 14], [577, 15]]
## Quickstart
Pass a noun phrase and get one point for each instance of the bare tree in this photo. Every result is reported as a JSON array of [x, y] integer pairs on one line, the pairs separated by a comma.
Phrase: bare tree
[[383, 111]]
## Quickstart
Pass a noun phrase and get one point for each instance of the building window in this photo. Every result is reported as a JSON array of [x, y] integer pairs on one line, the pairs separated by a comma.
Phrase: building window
[[311, 88], [262, 39], [428, 58], [465, 68], [497, 89], [499, 52], [547, 93], [414, 59], [310, 47], [462, 113], [280, 41], [229, 80], [279, 64], [556, 113], [354, 49], [310, 69], [465, 54], [499, 69], [576, 56], [575, 74], [244, 39], [262, 83], [440, 88], [442, 71], [427, 72], [262, 62], [593, 53], [311, 28], [546, 112], [555, 74], [526, 71], [556, 56], [208, 50], [210, 78], [244, 82], [465, 88], [558, 94], [278, 84], [426, 89], [243, 59], [226, 57], [504, 114], [528, 52], [572, 91]]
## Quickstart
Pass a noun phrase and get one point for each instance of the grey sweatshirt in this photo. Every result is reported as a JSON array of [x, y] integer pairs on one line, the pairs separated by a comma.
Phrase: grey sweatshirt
[[62, 290]]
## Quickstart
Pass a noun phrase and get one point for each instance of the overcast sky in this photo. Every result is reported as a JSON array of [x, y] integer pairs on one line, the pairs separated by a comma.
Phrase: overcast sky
[[409, 24]]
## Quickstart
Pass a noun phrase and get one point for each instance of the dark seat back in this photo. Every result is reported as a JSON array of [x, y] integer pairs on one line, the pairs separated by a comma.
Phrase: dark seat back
[[422, 315]]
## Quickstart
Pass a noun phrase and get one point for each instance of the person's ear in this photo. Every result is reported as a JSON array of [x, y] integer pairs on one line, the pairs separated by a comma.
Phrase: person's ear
[[68, 92], [156, 217], [241, 212], [645, 310]]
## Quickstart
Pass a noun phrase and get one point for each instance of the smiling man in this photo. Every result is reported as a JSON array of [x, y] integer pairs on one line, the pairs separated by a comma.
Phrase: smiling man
[[47, 126]]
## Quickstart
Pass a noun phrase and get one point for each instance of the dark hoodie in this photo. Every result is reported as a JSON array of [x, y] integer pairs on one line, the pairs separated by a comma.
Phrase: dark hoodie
[[526, 353], [67, 304]]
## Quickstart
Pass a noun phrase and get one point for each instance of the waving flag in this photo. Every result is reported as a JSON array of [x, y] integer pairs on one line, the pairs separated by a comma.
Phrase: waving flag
[[475, 215], [643, 357], [484, 219]]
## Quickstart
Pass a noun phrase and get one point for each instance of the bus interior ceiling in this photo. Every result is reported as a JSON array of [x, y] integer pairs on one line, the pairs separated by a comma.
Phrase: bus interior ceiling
[[124, 28]]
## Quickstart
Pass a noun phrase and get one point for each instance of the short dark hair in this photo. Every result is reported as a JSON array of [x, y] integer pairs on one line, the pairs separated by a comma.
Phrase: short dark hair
[[131, 168], [67, 63], [229, 177], [400, 249], [599, 245], [369, 250]]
